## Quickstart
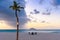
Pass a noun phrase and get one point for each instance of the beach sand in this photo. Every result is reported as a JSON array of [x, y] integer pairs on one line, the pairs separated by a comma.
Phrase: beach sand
[[26, 36]]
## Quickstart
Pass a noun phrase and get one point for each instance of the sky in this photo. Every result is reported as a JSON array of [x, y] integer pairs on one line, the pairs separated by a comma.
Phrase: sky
[[38, 14]]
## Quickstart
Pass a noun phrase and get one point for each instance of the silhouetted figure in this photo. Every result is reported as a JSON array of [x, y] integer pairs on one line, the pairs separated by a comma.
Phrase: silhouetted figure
[[33, 33]]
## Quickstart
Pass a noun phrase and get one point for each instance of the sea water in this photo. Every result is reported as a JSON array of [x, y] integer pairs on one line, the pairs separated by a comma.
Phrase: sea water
[[25, 30]]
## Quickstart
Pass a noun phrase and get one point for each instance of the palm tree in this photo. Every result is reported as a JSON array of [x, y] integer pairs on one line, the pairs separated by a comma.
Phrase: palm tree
[[16, 8]]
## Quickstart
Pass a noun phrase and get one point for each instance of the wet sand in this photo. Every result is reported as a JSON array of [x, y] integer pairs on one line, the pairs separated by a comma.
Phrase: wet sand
[[26, 36]]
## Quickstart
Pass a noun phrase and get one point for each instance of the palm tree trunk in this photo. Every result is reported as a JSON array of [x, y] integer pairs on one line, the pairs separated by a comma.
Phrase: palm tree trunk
[[17, 19]]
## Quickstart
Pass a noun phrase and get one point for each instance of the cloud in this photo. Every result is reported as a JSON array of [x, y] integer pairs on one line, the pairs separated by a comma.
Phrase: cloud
[[23, 18], [35, 11], [48, 12], [43, 21], [7, 14]]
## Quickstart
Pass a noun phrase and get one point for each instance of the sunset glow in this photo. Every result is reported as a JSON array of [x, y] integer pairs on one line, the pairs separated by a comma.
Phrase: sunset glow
[[4, 25]]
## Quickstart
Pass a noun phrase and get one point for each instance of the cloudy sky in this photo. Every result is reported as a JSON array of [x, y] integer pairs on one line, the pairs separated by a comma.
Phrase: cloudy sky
[[39, 14]]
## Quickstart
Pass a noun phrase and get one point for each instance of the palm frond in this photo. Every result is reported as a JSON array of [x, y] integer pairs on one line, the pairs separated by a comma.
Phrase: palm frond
[[14, 2], [22, 7], [18, 7], [18, 10], [11, 7]]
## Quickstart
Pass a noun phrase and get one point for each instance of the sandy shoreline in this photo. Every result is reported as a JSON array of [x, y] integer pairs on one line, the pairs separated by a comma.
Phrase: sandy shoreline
[[26, 36]]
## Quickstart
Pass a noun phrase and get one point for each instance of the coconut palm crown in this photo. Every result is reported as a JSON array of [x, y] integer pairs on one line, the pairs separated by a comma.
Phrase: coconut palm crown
[[16, 6]]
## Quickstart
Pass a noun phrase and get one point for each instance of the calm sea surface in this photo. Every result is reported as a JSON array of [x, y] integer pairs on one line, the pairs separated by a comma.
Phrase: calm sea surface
[[24, 30]]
